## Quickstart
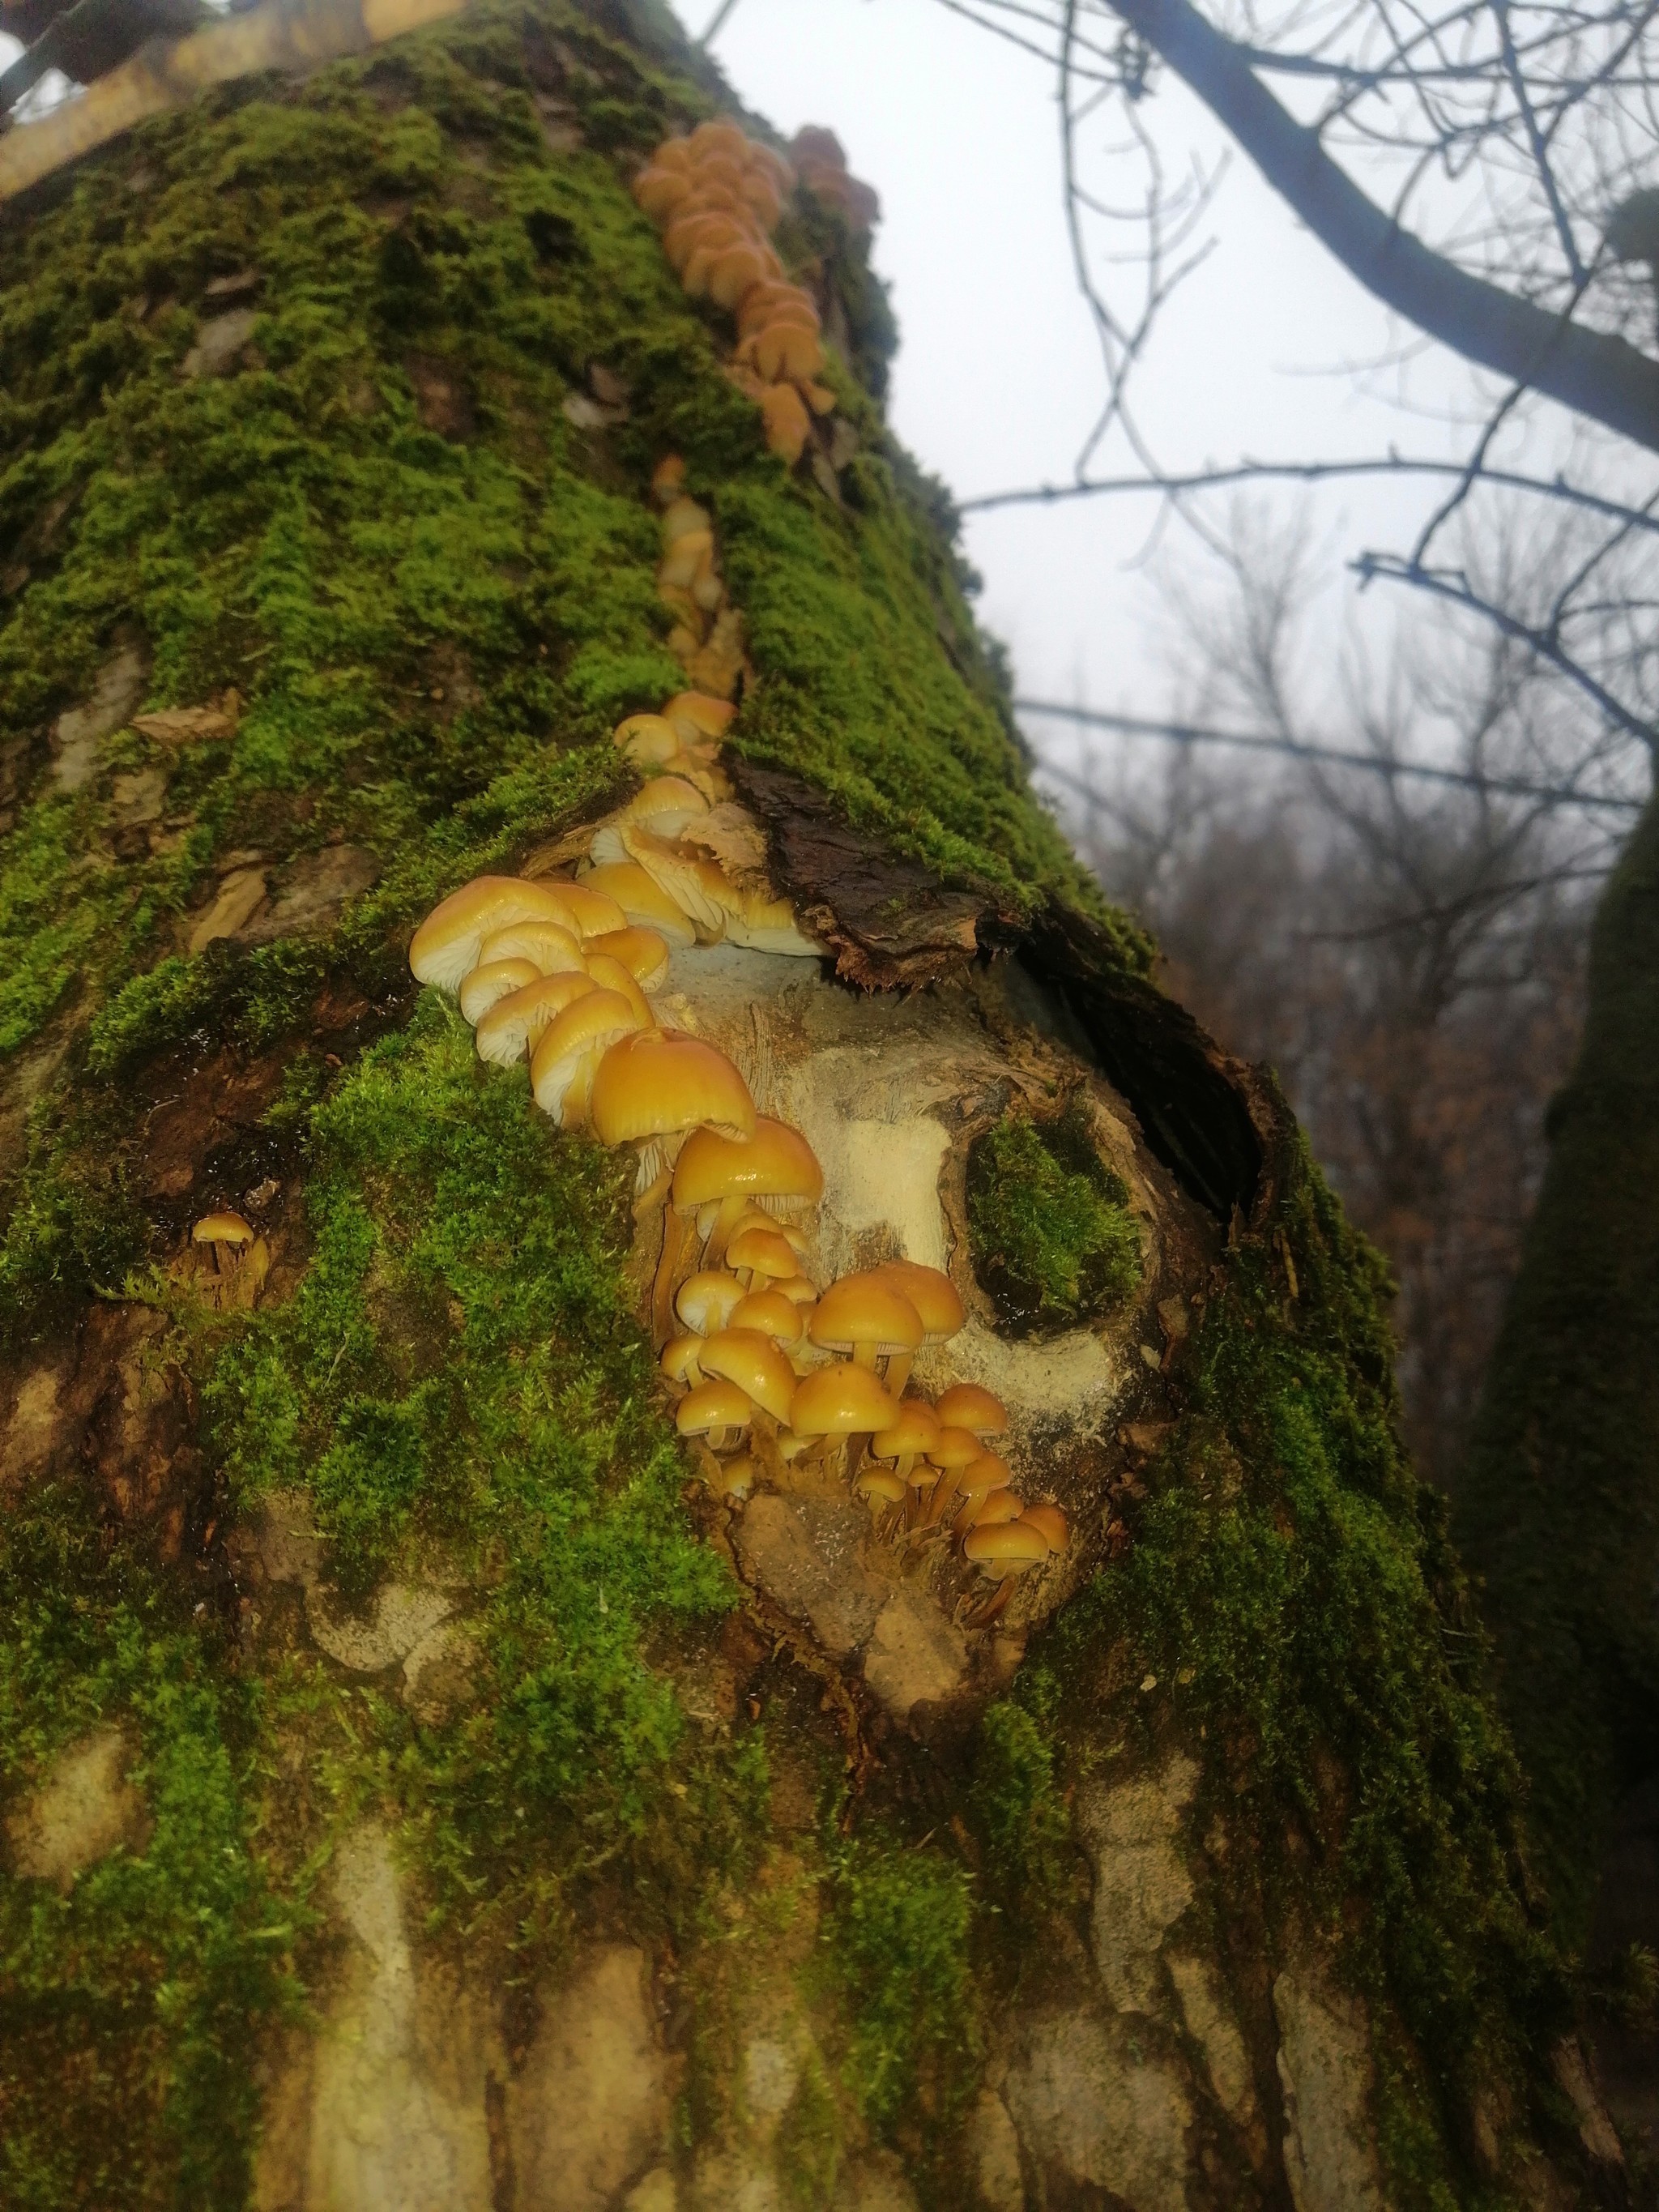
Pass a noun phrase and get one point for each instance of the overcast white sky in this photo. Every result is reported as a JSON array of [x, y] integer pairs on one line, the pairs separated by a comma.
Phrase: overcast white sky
[[997, 379]]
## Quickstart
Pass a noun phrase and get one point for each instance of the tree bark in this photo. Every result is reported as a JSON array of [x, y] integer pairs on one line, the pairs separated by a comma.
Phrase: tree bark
[[425, 1780]]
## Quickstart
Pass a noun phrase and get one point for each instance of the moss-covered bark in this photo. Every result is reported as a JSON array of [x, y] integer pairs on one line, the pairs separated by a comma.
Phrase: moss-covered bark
[[427, 580], [1559, 1507]]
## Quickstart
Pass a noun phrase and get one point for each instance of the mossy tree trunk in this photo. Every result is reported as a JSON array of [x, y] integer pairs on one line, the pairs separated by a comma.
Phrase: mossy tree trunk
[[420, 1787], [1560, 1508]]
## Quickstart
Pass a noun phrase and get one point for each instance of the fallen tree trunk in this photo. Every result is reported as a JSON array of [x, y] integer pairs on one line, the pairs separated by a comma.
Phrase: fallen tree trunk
[[426, 1780]]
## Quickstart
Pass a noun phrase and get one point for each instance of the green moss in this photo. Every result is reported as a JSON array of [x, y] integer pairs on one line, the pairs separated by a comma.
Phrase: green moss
[[129, 1999], [895, 1944], [1052, 1238], [1290, 1589], [1019, 1814], [810, 2141]]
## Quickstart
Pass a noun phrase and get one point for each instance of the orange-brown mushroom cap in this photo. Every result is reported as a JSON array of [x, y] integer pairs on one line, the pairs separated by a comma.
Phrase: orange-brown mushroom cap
[[770, 1312], [564, 1064], [642, 899], [1006, 1544], [1050, 1520], [446, 946], [933, 1294], [967, 1405], [222, 1228], [776, 1162], [753, 1362], [954, 1448], [516, 1024], [841, 1399], [984, 1474], [696, 717], [996, 1507], [866, 1316], [643, 952], [492, 979], [594, 912], [706, 1301], [662, 1081], [916, 1429], [711, 1407], [762, 1252], [880, 1482]]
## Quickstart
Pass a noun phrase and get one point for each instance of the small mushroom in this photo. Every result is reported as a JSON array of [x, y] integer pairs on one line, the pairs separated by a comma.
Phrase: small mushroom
[[668, 477], [753, 1362], [974, 1483], [864, 1314], [934, 1294], [761, 1256], [697, 718], [492, 979], [594, 912], [879, 1484], [688, 561], [516, 1024], [737, 1475], [716, 1178], [773, 1315], [786, 422], [911, 1436], [697, 886], [1001, 1551], [664, 806], [969, 1406], [611, 975], [994, 1508], [773, 303], [649, 741], [718, 1411], [565, 1062], [550, 947], [642, 952], [643, 901], [951, 1451], [225, 1230], [681, 1359], [707, 1301], [838, 1403], [446, 946], [1050, 1521]]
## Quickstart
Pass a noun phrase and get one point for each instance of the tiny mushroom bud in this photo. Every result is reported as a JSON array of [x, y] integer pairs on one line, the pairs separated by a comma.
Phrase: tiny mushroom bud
[[978, 1480], [643, 901], [515, 1025], [737, 1475], [934, 1294], [493, 979], [447, 944], [880, 1484], [784, 416], [706, 1301], [718, 1411], [565, 1062], [867, 1316], [753, 1362]]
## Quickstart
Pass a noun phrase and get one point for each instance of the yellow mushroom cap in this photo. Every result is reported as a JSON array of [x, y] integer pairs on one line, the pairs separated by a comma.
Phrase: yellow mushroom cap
[[516, 1024], [762, 1252], [717, 140], [695, 716], [647, 739], [1006, 1544], [594, 912], [550, 947], [611, 975], [776, 1162], [642, 952], [697, 886], [717, 1405], [771, 1312], [561, 1068], [492, 979], [841, 1400], [662, 1081], [864, 1311], [751, 1216], [1050, 1520], [984, 1474], [954, 1448], [683, 517], [226, 1228], [446, 946], [933, 1294], [966, 1406], [997, 1506], [880, 1482], [664, 806], [800, 1290], [753, 1362], [679, 1356], [706, 1301], [668, 477], [641, 898], [916, 1429]]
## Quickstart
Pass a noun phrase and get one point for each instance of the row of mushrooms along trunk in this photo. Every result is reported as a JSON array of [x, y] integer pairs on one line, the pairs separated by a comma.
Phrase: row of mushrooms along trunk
[[716, 196], [558, 971]]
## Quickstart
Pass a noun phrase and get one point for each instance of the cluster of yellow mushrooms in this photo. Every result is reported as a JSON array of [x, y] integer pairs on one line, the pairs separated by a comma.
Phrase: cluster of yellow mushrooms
[[716, 196], [558, 971]]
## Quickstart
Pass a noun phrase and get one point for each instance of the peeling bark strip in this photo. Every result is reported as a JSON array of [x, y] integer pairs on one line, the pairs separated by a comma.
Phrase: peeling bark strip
[[288, 34], [893, 926]]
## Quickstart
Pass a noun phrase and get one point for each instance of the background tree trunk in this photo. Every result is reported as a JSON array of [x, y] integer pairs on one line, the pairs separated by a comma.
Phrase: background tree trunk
[[420, 1786]]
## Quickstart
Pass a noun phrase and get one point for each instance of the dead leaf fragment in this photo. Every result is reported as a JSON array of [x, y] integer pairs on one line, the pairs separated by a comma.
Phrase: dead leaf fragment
[[186, 725]]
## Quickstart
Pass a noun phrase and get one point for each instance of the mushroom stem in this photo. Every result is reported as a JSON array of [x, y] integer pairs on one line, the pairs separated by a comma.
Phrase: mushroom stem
[[674, 1227], [987, 1612], [902, 1465], [946, 1491], [855, 1456], [863, 1355], [727, 1218], [898, 1372]]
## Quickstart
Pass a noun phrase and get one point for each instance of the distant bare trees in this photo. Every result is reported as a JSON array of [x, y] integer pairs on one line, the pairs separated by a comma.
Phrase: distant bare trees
[[1408, 955]]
